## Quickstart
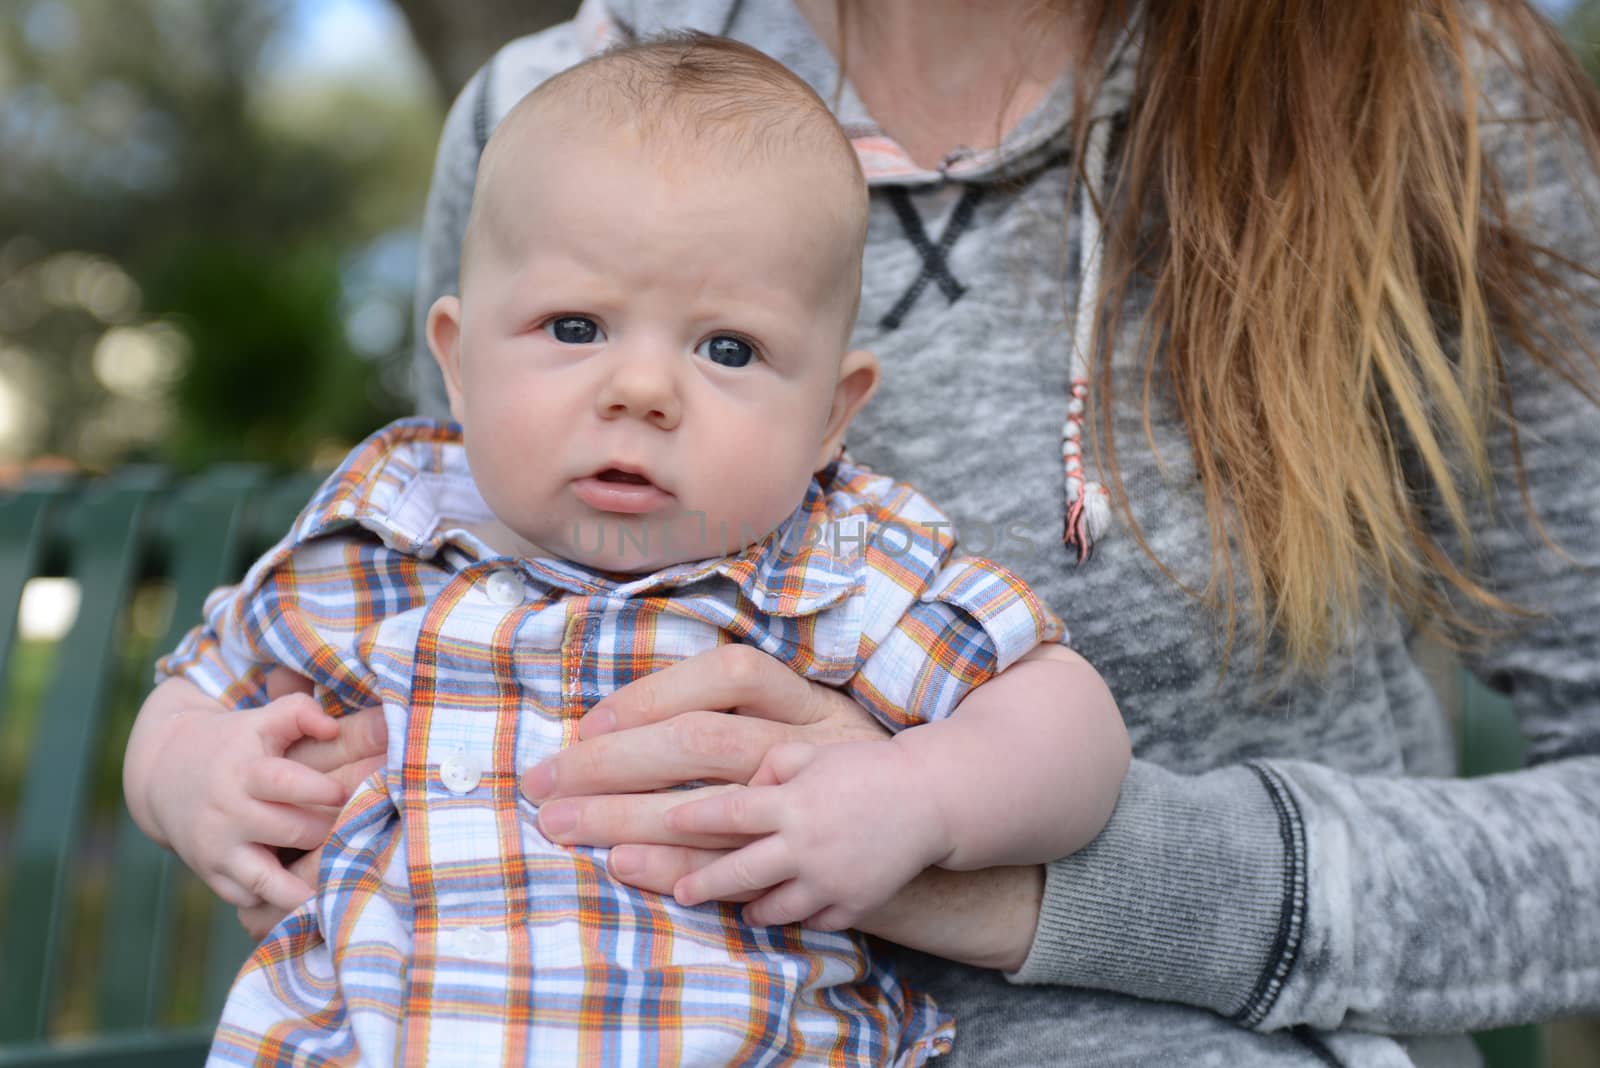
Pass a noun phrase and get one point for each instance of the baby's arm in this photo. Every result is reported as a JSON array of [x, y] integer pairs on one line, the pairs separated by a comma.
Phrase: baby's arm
[[1025, 770], [213, 785], [216, 767], [1028, 767]]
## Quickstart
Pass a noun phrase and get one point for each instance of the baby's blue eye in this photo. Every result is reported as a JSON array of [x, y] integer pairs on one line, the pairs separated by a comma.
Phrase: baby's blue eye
[[575, 330], [726, 350]]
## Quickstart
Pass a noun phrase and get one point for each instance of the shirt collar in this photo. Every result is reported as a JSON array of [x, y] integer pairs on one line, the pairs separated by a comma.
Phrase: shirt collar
[[410, 485]]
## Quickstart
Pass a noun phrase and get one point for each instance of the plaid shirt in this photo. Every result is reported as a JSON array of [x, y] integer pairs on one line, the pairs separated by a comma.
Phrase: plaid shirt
[[446, 929]]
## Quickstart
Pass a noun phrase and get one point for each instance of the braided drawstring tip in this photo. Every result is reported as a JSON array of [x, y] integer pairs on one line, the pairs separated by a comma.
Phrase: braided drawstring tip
[[1088, 519]]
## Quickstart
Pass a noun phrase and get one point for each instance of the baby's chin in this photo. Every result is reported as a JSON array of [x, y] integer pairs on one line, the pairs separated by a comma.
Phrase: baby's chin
[[630, 545]]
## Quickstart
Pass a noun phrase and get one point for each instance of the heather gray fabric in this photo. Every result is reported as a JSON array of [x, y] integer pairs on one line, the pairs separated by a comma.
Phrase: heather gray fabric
[[1290, 877]]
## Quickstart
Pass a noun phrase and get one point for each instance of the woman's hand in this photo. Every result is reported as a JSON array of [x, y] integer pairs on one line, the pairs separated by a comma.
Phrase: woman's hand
[[674, 726], [711, 718]]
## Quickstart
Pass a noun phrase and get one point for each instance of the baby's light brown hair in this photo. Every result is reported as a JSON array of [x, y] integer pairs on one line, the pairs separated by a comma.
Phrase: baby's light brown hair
[[680, 92]]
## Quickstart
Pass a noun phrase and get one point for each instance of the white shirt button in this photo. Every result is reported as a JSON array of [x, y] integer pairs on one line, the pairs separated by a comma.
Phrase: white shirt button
[[503, 587], [475, 942], [460, 773]]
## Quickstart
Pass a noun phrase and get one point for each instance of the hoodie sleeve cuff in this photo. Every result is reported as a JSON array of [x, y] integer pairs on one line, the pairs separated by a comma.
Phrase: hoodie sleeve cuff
[[1194, 893]]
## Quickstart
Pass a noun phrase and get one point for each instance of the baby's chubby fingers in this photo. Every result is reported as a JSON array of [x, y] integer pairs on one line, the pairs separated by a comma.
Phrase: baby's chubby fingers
[[228, 890], [261, 918], [757, 866], [290, 826], [254, 875]]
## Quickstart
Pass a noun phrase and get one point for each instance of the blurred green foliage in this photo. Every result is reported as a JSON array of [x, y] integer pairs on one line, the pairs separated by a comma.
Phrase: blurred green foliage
[[1582, 27], [179, 227]]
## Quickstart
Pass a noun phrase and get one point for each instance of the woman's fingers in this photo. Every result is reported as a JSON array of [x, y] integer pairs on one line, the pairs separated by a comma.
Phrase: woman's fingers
[[659, 867], [608, 820], [694, 746], [832, 918], [360, 736], [289, 783], [350, 776], [231, 892], [757, 866], [734, 678], [281, 681]]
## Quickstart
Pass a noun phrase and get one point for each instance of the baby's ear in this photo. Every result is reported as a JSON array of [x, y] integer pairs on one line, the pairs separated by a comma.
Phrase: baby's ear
[[444, 340], [858, 381]]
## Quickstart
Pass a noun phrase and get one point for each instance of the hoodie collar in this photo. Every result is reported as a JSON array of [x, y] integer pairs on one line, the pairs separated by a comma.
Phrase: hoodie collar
[[786, 36]]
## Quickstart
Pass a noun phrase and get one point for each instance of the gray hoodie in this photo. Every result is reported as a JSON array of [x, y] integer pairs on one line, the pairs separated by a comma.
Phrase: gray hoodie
[[1291, 877]]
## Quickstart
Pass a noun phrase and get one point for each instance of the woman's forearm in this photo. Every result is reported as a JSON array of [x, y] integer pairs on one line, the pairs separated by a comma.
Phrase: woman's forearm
[[983, 918]]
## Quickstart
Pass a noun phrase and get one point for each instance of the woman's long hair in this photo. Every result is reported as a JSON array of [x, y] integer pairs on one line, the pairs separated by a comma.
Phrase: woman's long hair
[[1335, 271]]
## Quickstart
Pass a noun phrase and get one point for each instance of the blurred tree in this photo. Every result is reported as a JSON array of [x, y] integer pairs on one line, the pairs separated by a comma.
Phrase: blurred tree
[[456, 39], [177, 230], [1582, 26]]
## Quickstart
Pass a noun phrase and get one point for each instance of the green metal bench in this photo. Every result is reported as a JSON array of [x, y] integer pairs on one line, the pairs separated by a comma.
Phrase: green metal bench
[[115, 536]]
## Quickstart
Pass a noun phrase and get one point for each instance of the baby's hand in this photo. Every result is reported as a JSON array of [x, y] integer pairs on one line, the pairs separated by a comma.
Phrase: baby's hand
[[225, 797], [845, 827]]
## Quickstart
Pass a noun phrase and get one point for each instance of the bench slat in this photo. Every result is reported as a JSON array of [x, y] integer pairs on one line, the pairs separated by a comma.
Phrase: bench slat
[[202, 536], [104, 532], [24, 525], [177, 1049]]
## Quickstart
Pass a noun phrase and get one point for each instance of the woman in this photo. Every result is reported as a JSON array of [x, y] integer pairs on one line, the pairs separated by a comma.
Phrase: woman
[[1242, 297]]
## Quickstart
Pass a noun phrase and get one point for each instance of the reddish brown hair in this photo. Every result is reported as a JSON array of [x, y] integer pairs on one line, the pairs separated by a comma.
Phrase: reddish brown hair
[[1335, 271]]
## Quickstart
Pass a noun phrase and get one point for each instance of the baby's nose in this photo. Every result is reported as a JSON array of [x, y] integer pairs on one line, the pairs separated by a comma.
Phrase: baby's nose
[[641, 385]]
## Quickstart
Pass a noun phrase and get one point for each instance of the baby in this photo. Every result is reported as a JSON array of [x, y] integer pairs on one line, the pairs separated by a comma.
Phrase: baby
[[648, 361]]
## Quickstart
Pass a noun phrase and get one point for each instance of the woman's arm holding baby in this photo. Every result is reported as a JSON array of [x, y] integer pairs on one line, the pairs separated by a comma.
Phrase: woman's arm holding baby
[[661, 731]]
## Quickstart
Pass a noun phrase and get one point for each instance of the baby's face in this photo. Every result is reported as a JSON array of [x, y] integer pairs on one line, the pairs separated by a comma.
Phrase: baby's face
[[647, 355]]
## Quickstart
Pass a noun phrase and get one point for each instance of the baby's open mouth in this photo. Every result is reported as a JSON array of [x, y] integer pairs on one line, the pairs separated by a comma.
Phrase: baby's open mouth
[[614, 490], [612, 474]]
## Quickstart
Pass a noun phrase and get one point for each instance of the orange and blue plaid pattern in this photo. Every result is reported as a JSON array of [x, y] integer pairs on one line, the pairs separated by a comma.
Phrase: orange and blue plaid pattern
[[445, 929]]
